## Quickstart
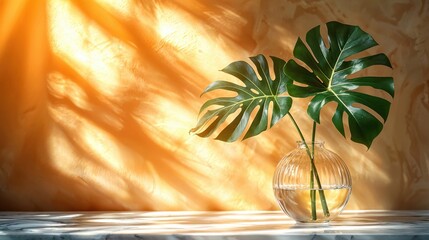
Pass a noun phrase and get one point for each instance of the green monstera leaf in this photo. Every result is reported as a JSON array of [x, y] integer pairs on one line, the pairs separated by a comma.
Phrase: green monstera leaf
[[255, 93], [328, 79]]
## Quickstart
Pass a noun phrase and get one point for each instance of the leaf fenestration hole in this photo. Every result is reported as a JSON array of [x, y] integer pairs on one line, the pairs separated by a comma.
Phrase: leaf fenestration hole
[[254, 91], [252, 117], [270, 110], [372, 112], [324, 35]]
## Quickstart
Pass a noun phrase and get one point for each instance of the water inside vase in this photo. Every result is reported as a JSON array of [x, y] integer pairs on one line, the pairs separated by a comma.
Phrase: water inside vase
[[297, 204]]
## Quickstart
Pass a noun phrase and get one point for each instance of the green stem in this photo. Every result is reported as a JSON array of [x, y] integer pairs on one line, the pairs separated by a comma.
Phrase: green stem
[[312, 196], [313, 173], [313, 138], [316, 175], [321, 191], [312, 191]]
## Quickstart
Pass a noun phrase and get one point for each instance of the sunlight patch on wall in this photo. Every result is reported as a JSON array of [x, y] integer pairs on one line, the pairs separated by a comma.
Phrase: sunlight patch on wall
[[183, 37], [175, 28], [101, 165], [71, 164], [103, 146], [167, 123], [61, 87], [165, 196], [168, 116], [210, 165], [60, 148], [122, 7], [96, 56], [368, 166], [99, 144], [202, 169], [81, 150]]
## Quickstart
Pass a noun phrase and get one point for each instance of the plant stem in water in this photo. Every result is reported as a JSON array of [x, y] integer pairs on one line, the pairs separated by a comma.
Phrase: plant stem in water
[[321, 192], [314, 171], [314, 174], [312, 191], [312, 196]]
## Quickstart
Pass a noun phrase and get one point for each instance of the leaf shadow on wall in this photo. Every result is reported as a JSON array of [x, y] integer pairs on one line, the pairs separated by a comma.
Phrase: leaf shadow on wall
[[118, 95], [105, 139], [132, 151]]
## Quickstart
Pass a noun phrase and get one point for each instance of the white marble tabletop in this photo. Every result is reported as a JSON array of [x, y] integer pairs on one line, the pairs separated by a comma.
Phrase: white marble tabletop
[[211, 225]]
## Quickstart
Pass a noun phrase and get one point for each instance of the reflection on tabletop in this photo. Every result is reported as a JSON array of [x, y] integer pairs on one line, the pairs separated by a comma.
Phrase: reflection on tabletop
[[210, 223]]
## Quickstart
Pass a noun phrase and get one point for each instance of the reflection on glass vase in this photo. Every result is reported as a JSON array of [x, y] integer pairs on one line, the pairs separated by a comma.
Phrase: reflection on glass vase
[[312, 189]]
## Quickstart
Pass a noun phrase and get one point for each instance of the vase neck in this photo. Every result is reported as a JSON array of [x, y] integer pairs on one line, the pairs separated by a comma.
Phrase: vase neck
[[317, 143]]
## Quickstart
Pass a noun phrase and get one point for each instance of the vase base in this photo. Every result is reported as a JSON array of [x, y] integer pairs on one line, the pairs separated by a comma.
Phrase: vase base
[[316, 223]]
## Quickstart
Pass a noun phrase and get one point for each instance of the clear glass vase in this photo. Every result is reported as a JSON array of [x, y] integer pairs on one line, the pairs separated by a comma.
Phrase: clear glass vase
[[312, 191]]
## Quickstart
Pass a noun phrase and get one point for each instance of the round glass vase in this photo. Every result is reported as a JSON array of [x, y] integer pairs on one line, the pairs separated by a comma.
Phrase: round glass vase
[[312, 190]]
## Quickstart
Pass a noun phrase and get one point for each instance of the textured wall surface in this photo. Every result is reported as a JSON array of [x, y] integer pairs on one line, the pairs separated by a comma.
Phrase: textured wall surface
[[97, 99]]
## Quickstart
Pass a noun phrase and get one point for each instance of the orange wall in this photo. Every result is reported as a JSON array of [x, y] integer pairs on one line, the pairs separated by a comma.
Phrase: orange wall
[[97, 98]]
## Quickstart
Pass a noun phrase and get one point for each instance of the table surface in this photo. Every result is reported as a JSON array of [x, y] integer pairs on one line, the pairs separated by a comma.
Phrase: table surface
[[211, 225]]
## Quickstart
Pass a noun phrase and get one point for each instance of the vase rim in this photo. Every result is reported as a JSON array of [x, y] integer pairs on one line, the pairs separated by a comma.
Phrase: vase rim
[[319, 143]]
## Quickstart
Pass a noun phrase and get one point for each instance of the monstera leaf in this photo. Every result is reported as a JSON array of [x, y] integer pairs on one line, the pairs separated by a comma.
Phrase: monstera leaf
[[254, 94], [328, 79]]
